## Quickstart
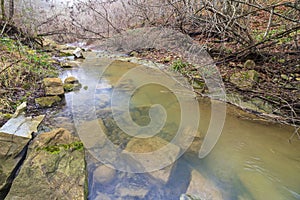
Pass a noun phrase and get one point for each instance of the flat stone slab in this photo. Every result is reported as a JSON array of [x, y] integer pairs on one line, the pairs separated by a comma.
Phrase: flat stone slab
[[10, 147], [54, 169], [22, 126]]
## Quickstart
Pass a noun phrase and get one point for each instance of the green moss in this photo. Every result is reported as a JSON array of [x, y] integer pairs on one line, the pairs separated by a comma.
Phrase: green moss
[[47, 101], [56, 149], [178, 65], [6, 116], [27, 68], [68, 87]]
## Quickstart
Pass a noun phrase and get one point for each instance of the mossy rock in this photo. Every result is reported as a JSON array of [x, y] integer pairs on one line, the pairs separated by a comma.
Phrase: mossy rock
[[52, 82], [68, 87], [65, 53], [71, 80], [47, 101], [245, 80], [54, 169]]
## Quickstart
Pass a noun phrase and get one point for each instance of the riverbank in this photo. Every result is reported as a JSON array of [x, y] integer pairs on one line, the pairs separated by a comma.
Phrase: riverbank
[[271, 95], [260, 88], [119, 182], [21, 74]]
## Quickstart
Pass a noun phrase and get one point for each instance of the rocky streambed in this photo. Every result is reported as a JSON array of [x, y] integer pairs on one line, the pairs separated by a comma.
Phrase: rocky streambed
[[62, 159]]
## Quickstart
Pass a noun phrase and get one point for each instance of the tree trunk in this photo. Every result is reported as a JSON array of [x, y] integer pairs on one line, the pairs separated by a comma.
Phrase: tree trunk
[[3, 10], [11, 9]]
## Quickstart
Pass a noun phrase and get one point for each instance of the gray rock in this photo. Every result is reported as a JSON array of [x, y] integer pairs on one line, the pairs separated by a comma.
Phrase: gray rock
[[22, 126], [102, 196], [163, 174], [104, 174], [78, 53], [162, 152], [20, 109], [202, 188], [131, 191], [10, 147], [54, 169]]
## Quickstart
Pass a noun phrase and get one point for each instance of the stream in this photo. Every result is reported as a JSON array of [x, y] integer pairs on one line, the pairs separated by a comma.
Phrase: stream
[[252, 159]]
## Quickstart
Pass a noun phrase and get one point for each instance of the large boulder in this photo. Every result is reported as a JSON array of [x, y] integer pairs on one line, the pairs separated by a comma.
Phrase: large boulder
[[15, 134], [53, 86], [245, 80], [11, 148], [54, 169]]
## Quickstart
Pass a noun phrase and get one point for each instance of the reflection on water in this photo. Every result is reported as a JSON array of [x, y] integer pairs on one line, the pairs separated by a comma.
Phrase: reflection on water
[[252, 159]]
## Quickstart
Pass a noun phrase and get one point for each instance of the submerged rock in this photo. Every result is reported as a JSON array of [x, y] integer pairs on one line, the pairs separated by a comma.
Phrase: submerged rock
[[104, 174], [53, 86], [47, 101], [131, 192], [162, 152], [163, 174], [54, 169], [201, 188], [245, 80]]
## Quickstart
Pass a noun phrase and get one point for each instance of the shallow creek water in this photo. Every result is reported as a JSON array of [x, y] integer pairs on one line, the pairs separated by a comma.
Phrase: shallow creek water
[[252, 159]]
